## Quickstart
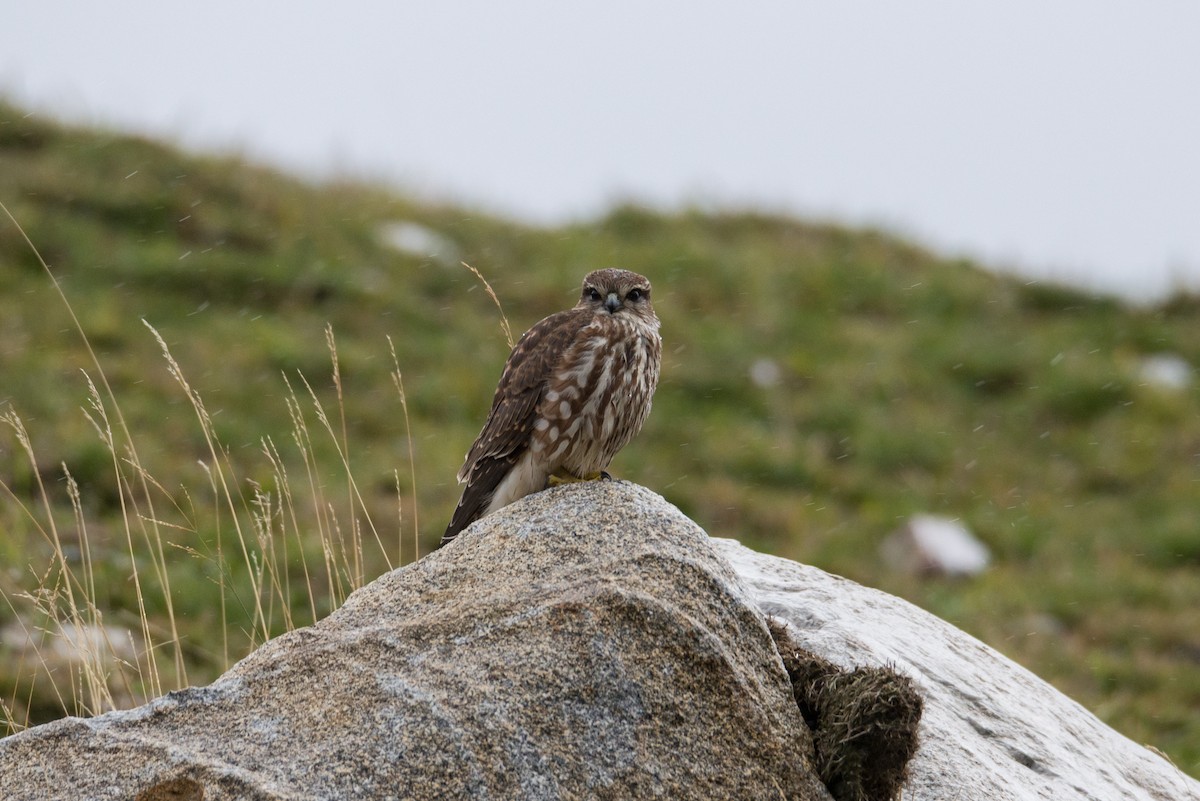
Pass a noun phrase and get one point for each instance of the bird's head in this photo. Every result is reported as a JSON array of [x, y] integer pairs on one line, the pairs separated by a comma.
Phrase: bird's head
[[617, 292]]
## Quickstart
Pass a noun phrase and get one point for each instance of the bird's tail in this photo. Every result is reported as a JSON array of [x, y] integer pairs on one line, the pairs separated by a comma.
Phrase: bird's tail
[[484, 477]]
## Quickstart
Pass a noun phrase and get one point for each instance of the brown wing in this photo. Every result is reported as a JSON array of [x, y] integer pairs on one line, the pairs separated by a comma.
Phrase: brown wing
[[514, 406], [505, 435]]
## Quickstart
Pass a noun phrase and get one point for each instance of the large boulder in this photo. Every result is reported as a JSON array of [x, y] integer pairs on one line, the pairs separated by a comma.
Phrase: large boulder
[[990, 729], [590, 642], [587, 642]]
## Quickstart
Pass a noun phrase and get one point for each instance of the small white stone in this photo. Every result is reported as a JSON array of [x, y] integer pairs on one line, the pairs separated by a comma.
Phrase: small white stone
[[1167, 371], [418, 240], [931, 545], [765, 373], [69, 645]]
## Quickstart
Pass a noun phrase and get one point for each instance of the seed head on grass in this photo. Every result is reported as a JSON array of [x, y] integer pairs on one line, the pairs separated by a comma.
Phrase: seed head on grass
[[508, 337]]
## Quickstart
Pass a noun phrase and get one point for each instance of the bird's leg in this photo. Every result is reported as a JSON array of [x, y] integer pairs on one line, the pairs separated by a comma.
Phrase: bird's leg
[[566, 477]]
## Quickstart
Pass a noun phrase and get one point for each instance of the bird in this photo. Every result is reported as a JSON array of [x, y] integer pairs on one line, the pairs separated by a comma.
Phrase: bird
[[576, 388]]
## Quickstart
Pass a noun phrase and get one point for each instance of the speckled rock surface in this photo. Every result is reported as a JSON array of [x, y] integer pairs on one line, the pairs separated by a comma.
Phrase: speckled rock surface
[[586, 642]]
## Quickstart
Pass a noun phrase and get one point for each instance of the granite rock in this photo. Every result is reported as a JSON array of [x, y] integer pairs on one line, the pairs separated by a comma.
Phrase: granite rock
[[585, 642]]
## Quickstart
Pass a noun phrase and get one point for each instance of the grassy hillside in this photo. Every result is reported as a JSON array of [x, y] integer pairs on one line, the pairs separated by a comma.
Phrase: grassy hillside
[[906, 383]]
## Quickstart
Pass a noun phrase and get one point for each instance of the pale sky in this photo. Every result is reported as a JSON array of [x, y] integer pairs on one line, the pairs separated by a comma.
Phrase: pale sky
[[1056, 138]]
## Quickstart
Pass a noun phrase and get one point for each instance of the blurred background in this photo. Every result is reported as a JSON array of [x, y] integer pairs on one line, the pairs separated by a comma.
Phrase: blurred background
[[928, 277], [1054, 140]]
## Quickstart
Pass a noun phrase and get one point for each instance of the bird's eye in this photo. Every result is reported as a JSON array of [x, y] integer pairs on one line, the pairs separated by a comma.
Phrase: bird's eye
[[591, 294], [635, 295]]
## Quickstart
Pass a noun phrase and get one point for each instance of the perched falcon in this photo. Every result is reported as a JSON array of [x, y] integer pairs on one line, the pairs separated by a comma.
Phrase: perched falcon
[[575, 390]]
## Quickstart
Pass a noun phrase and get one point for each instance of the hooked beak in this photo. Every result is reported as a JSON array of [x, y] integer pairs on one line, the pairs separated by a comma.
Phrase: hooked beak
[[612, 302]]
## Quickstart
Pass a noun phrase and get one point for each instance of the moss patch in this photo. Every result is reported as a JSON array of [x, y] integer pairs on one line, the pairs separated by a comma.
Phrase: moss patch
[[864, 721]]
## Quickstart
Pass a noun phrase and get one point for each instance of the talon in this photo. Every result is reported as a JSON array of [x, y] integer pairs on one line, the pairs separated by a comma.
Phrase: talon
[[558, 479]]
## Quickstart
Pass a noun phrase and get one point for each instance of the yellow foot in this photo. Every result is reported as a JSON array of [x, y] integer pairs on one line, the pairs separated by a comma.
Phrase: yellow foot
[[568, 478]]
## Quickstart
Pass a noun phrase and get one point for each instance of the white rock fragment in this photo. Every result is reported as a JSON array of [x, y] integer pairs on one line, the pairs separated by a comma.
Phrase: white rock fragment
[[71, 655], [1166, 371], [765, 373], [934, 546], [418, 240], [70, 644]]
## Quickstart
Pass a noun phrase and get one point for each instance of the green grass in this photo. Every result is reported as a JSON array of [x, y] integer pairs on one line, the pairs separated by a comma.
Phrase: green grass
[[908, 383]]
